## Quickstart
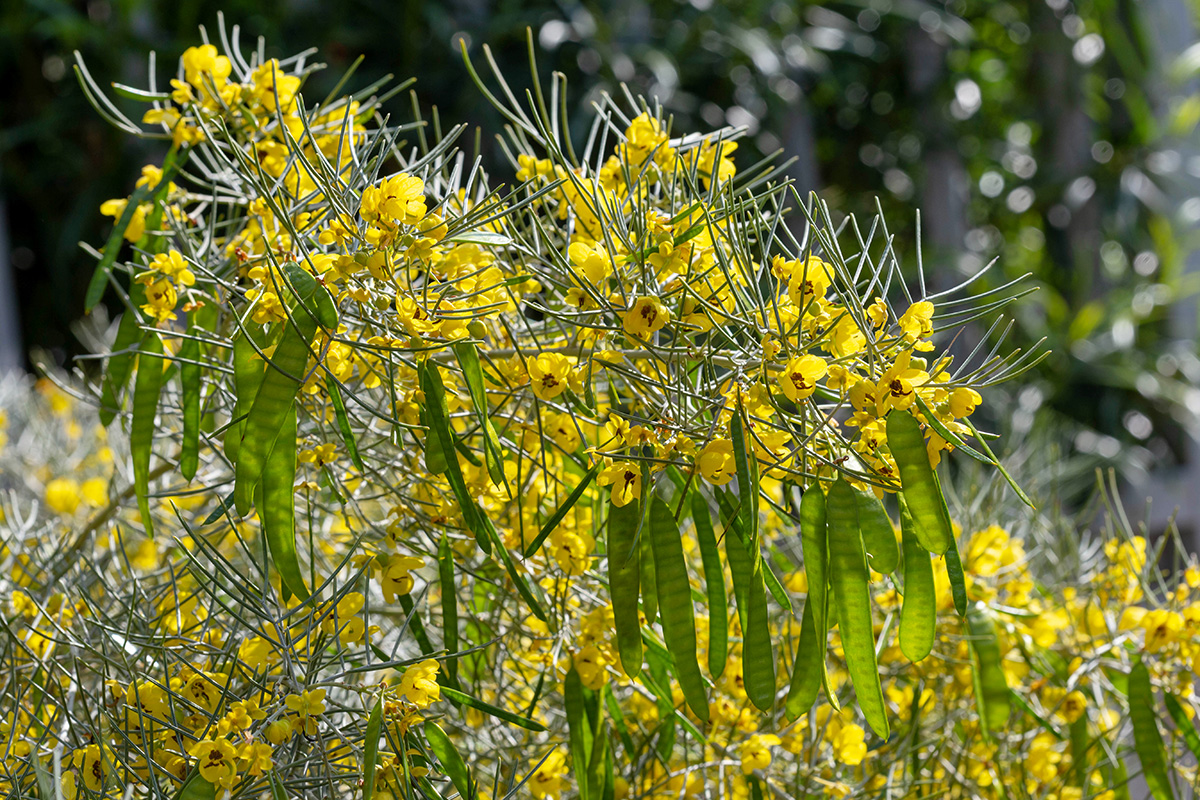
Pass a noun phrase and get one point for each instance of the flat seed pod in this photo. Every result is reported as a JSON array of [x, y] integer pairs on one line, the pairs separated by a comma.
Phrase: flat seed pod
[[851, 594], [919, 482]]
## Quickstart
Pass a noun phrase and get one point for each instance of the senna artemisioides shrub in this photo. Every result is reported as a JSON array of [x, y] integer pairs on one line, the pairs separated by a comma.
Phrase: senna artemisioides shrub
[[612, 466]]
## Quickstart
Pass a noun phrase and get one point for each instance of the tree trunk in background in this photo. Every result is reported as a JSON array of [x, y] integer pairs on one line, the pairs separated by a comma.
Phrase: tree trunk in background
[[1169, 24], [800, 142], [943, 187], [11, 355]]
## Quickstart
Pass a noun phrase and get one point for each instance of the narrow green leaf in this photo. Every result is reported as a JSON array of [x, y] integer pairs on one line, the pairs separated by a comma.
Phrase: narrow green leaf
[[775, 587], [1020, 702], [1003, 472], [925, 501], [851, 594], [189, 378], [468, 360], [952, 437], [991, 687], [219, 511], [371, 748], [438, 416], [918, 614], [326, 308], [1186, 728], [485, 238], [99, 280], [120, 364], [879, 537], [45, 781], [1080, 745], [649, 580], [675, 604], [141, 431], [278, 507], [493, 711], [563, 510], [741, 566], [449, 605], [747, 476], [958, 584], [624, 578], [580, 733], [451, 760], [714, 583], [343, 420], [1147, 738], [277, 790]]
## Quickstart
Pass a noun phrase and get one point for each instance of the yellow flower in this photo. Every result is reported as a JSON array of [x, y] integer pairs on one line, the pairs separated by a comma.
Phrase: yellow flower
[[62, 495], [160, 300], [306, 704], [755, 752], [90, 763], [561, 428], [716, 463], [279, 731], [95, 492], [877, 312], [548, 374], [547, 779], [1042, 761], [1073, 706], [963, 402], [396, 578], [572, 549], [897, 387], [589, 663], [808, 280], [203, 61], [216, 761], [917, 323], [647, 315], [625, 477], [800, 376], [1162, 628], [137, 223], [592, 261], [849, 744], [257, 756], [419, 684], [255, 651], [172, 265], [397, 200], [348, 626]]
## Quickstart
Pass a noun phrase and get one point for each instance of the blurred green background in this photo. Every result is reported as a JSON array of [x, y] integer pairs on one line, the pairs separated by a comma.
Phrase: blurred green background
[[1055, 135]]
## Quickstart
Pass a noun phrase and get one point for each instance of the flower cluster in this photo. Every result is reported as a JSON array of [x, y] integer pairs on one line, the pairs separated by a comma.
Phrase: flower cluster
[[419, 473]]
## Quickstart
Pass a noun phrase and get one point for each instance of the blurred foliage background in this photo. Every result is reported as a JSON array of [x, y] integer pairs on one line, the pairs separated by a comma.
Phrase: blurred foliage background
[[1054, 135]]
